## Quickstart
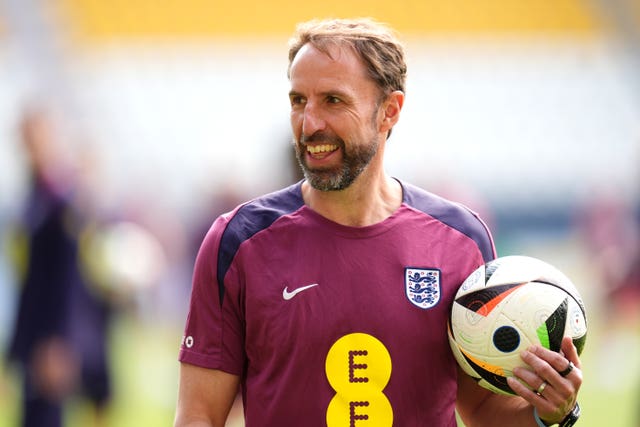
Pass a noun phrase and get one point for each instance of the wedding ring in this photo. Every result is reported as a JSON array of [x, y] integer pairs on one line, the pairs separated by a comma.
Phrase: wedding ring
[[541, 388]]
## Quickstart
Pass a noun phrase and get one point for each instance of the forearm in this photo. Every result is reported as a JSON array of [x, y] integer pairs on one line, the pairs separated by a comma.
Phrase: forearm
[[185, 422], [510, 411], [205, 397], [478, 407]]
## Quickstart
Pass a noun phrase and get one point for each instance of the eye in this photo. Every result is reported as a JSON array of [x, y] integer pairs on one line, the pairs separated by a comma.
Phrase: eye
[[297, 100], [333, 99]]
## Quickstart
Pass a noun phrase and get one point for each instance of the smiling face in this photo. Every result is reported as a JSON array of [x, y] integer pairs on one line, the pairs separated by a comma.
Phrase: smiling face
[[335, 116]]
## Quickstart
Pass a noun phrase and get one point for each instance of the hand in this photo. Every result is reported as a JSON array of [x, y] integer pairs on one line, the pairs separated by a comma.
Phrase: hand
[[54, 369], [558, 397]]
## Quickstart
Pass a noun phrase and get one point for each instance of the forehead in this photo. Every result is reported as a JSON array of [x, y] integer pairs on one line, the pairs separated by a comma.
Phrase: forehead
[[338, 68]]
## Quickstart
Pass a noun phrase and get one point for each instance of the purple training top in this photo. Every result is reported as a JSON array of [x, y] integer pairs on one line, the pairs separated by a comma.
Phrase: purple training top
[[329, 325]]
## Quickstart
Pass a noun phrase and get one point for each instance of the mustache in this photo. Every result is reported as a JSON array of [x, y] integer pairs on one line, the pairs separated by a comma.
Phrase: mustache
[[321, 136]]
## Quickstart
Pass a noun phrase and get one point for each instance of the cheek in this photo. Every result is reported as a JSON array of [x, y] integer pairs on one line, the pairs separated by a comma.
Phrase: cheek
[[296, 123]]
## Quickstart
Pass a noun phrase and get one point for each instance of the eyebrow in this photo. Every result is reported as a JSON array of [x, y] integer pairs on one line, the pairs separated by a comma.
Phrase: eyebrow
[[338, 93]]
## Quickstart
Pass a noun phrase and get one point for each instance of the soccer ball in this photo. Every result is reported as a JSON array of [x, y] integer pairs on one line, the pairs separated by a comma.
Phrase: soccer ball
[[504, 307]]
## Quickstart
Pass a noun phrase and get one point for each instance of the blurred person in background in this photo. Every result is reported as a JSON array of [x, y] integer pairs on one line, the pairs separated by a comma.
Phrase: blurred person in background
[[609, 227], [59, 340], [300, 297], [610, 232]]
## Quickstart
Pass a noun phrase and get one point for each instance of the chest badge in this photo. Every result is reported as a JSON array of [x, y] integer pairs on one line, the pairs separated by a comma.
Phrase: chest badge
[[422, 286]]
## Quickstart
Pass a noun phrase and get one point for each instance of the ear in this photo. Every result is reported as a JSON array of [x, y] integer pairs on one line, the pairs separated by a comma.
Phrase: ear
[[391, 108]]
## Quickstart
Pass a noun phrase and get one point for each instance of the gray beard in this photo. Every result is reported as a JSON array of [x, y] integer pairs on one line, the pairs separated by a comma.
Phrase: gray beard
[[341, 177]]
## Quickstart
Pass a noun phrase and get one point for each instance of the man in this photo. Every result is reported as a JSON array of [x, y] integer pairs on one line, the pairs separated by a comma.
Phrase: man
[[59, 340], [302, 297]]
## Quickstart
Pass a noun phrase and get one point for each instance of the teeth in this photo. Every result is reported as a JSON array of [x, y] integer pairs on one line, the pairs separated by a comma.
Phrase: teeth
[[315, 149]]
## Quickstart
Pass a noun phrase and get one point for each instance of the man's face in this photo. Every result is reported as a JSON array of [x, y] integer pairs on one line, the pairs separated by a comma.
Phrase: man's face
[[334, 116]]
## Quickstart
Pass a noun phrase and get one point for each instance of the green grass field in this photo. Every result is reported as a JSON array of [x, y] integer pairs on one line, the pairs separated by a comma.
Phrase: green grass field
[[145, 364], [146, 371]]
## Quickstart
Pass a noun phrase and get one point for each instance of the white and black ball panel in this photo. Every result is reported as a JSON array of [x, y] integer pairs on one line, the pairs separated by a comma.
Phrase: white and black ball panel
[[504, 307]]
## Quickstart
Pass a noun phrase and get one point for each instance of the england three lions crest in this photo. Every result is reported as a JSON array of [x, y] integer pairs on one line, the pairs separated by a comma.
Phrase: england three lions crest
[[422, 286]]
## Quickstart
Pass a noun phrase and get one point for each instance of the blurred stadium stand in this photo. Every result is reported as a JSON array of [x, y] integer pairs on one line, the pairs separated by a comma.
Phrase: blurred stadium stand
[[528, 102], [97, 20]]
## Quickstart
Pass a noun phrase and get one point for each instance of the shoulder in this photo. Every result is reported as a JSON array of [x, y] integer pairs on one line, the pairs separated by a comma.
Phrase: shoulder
[[432, 204], [258, 214], [232, 229], [452, 214], [249, 218]]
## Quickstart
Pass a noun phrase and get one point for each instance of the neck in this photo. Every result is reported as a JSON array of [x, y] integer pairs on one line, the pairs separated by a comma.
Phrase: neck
[[369, 200]]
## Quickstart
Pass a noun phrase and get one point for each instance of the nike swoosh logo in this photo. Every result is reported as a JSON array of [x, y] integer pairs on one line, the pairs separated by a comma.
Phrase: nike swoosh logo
[[287, 295]]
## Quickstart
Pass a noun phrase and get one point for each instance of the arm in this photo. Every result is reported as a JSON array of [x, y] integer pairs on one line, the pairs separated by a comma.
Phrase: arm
[[480, 407], [205, 396]]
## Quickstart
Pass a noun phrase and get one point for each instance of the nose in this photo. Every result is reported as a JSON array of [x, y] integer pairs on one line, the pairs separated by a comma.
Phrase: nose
[[312, 120]]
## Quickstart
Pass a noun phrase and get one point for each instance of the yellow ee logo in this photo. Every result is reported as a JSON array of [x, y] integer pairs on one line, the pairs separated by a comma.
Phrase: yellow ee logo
[[358, 367]]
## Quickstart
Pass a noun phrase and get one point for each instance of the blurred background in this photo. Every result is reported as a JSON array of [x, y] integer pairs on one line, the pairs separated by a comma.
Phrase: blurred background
[[159, 115]]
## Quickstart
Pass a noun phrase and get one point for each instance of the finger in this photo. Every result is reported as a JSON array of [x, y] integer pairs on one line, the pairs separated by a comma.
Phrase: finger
[[559, 363], [570, 351], [523, 390], [527, 377], [534, 382], [567, 371], [547, 409], [545, 363], [556, 361]]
